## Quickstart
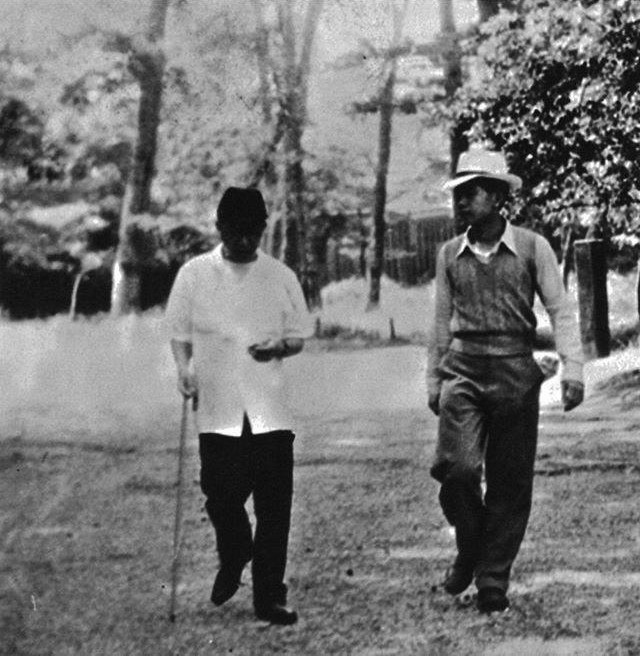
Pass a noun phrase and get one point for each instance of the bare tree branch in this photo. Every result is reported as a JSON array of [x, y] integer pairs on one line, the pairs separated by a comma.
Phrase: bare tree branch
[[314, 9], [285, 20], [265, 163], [262, 55]]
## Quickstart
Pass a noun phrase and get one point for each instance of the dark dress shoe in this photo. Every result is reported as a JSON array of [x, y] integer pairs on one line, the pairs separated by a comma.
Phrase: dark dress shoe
[[492, 600], [226, 584], [457, 580], [277, 614]]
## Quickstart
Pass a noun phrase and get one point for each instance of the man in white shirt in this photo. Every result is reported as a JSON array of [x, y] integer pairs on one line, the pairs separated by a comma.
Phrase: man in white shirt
[[234, 313]]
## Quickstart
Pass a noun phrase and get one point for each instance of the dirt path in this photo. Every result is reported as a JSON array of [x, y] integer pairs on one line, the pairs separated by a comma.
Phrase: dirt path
[[87, 524]]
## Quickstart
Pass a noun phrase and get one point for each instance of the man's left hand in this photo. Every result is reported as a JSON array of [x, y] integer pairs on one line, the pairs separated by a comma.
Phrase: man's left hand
[[266, 351], [434, 402], [572, 394]]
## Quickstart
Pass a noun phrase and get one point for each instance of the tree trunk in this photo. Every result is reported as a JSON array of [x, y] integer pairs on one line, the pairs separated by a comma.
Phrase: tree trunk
[[452, 76], [380, 189], [384, 156], [294, 183], [292, 143], [262, 57], [147, 64], [638, 289], [489, 8], [74, 295], [264, 169], [293, 99], [591, 275]]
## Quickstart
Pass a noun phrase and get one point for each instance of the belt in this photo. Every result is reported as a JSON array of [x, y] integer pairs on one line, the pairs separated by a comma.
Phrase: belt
[[492, 344]]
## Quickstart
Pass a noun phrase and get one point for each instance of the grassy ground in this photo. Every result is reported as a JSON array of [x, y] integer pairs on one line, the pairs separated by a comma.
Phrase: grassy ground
[[86, 528]]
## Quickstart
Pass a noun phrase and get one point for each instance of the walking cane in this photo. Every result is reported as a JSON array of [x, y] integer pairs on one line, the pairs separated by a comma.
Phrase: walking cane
[[177, 538]]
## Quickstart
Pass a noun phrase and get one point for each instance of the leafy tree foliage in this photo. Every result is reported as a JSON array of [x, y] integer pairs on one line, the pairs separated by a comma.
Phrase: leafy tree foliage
[[557, 87], [234, 111], [65, 118], [20, 132]]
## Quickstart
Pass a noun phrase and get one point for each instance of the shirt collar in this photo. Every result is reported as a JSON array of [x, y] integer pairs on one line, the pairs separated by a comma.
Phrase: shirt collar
[[219, 260], [507, 239]]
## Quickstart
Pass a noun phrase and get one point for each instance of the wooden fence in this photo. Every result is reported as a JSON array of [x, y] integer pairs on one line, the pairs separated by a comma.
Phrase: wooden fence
[[411, 247]]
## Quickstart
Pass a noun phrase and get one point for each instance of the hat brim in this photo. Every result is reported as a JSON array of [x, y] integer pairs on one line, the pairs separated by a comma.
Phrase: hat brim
[[514, 181]]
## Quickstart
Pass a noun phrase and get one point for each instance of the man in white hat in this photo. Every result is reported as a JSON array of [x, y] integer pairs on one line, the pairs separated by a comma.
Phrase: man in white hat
[[482, 379]]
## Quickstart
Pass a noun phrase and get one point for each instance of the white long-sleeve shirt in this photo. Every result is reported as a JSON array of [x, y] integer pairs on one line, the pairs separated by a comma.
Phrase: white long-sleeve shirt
[[222, 308]]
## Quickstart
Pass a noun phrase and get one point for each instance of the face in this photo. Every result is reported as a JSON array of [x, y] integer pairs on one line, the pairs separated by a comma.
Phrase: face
[[239, 244], [474, 204]]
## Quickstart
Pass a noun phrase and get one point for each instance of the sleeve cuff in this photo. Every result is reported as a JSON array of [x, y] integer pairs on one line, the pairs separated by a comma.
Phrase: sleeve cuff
[[434, 384], [181, 337], [304, 330], [572, 370]]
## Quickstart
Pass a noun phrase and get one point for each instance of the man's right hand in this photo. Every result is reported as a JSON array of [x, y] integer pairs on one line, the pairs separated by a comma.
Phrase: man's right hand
[[572, 394], [434, 403], [188, 385]]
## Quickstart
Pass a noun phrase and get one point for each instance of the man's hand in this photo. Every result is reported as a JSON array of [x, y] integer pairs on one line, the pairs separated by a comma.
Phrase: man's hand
[[434, 403], [276, 348], [187, 382], [268, 350], [548, 365], [188, 386], [572, 394]]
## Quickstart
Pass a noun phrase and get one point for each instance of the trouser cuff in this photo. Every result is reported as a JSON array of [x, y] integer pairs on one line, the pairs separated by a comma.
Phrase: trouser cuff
[[485, 581], [265, 595]]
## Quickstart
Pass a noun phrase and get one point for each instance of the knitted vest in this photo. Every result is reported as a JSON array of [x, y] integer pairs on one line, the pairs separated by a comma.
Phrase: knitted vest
[[493, 302]]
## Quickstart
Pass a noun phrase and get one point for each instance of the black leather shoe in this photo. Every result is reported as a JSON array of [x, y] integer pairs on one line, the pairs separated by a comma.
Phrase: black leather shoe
[[457, 580], [226, 584], [277, 614], [492, 600]]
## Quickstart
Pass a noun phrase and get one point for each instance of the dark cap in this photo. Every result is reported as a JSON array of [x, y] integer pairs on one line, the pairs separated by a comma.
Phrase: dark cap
[[243, 206]]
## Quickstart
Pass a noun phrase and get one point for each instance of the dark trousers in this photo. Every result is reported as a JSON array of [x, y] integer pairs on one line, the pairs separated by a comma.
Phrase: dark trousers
[[489, 410], [232, 468]]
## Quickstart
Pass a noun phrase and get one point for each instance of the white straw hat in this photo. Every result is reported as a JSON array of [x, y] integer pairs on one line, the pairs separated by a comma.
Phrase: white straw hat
[[480, 163]]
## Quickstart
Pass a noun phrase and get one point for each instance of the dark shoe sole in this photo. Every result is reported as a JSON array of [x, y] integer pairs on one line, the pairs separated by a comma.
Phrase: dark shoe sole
[[222, 597], [456, 582], [228, 583], [279, 615], [492, 601]]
